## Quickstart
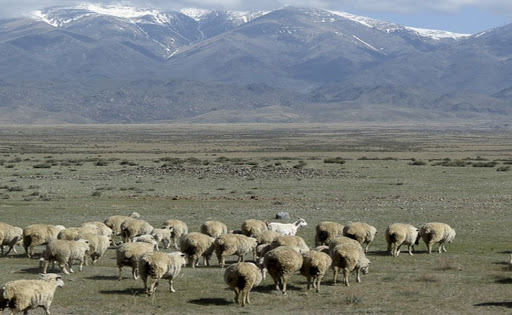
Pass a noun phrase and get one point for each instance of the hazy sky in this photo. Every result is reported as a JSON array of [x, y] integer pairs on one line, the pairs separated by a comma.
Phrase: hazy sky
[[463, 16]]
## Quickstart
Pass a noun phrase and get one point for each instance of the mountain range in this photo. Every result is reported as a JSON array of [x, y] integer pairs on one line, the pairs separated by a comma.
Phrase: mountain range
[[118, 64]]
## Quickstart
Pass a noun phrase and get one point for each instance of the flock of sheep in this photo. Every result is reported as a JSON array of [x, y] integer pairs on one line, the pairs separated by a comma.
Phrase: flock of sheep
[[275, 248]]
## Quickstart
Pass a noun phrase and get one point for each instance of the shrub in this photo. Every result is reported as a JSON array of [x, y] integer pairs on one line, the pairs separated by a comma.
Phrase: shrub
[[485, 164], [337, 160], [418, 162], [101, 162], [451, 163], [42, 165], [503, 168]]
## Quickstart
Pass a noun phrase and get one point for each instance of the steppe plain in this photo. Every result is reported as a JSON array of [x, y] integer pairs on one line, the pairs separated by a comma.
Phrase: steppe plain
[[380, 175]]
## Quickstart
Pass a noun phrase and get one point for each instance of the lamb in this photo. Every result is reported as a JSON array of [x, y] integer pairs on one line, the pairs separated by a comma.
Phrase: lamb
[[233, 244], [24, 295], [195, 245], [65, 252], [435, 232], [73, 233], [128, 254], [39, 234], [158, 265], [9, 236], [349, 257], [98, 244], [214, 228], [251, 227], [178, 228], [287, 228], [146, 239], [162, 236], [242, 277], [282, 262], [398, 234], [327, 230], [134, 227], [293, 241], [314, 266], [361, 232]]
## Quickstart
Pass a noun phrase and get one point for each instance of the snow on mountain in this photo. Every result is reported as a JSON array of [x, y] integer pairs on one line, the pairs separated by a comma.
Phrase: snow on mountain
[[436, 34]]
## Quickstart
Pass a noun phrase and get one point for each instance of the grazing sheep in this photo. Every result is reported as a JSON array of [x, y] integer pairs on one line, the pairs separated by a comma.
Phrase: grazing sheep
[[195, 245], [398, 234], [73, 233], [349, 257], [251, 227], [242, 277], [178, 228], [39, 234], [146, 239], [287, 228], [293, 241], [342, 240], [266, 237], [435, 232], [233, 244], [65, 252], [282, 262], [114, 223], [327, 230], [98, 244], [162, 236], [158, 265], [102, 228], [134, 227], [24, 295], [9, 236], [361, 232], [128, 254], [214, 228], [314, 266]]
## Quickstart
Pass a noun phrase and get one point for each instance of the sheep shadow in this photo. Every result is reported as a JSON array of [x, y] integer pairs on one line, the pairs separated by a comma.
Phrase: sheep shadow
[[34, 270], [211, 301], [501, 304], [504, 280], [272, 288], [128, 291], [100, 277]]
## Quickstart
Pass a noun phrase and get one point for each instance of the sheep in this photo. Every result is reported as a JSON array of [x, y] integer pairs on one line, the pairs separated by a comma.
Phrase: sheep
[[361, 232], [293, 241], [195, 245], [102, 228], [178, 228], [341, 240], [73, 233], [134, 227], [39, 234], [128, 254], [266, 237], [287, 228], [9, 236], [162, 236], [242, 277], [98, 244], [314, 266], [65, 252], [349, 257], [214, 228], [114, 223], [24, 295], [158, 265], [146, 239], [251, 227], [435, 232], [398, 234], [233, 244], [327, 230], [282, 262]]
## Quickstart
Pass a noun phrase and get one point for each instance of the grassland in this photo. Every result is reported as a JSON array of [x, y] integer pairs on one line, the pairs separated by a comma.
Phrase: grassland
[[72, 174]]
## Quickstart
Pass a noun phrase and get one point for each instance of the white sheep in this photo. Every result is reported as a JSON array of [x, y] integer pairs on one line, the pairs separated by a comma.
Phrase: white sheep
[[9, 236], [195, 245], [158, 265], [361, 232], [214, 228], [287, 228], [282, 263], [102, 228], [162, 236], [242, 277], [349, 257], [64, 252], [398, 234], [134, 227], [114, 223], [146, 239], [98, 244], [293, 241], [39, 234], [251, 227], [327, 230], [266, 237], [129, 254], [178, 228], [435, 232], [314, 266], [73, 233], [233, 244], [24, 295]]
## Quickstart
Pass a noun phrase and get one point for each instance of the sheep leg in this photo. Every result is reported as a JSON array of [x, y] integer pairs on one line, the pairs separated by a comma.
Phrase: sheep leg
[[45, 266], [62, 266], [318, 279], [309, 282], [441, 247], [81, 265], [358, 275], [170, 286], [285, 281], [345, 276], [397, 249], [152, 286], [245, 296], [237, 292], [390, 249], [411, 248], [429, 246], [335, 276], [135, 274]]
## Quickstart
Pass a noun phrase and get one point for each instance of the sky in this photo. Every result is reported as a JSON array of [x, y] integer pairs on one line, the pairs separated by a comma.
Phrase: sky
[[460, 16]]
